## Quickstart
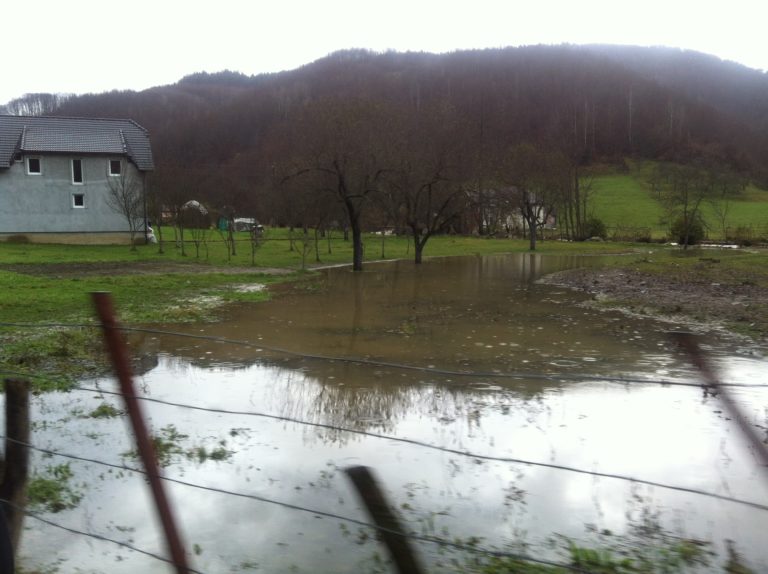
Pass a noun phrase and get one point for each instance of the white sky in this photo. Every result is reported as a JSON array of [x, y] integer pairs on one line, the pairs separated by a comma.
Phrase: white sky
[[81, 46]]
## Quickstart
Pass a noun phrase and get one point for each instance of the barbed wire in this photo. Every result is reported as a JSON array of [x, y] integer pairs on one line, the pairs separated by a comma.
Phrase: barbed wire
[[418, 443], [448, 450], [93, 535], [315, 512], [379, 364], [552, 377]]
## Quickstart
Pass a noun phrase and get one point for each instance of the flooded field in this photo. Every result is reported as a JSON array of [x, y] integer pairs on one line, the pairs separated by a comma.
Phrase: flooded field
[[492, 409]]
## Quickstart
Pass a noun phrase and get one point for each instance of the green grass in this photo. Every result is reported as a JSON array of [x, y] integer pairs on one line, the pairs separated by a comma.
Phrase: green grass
[[151, 298], [275, 252], [626, 201], [750, 210]]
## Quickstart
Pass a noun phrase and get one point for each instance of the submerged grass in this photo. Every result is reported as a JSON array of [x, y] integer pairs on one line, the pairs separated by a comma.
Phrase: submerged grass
[[169, 445], [52, 491]]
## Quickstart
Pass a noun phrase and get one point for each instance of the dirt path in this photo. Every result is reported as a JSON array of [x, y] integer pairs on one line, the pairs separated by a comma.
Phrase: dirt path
[[133, 268]]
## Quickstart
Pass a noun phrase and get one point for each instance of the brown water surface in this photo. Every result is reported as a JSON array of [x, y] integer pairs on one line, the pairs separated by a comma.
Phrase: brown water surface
[[469, 355]]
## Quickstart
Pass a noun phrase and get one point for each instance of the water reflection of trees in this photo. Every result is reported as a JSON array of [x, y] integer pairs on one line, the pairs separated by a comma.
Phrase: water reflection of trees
[[353, 395], [379, 403], [374, 406]]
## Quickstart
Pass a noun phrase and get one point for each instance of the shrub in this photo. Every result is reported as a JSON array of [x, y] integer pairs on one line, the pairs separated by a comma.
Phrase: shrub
[[19, 238], [742, 235], [695, 231], [594, 227]]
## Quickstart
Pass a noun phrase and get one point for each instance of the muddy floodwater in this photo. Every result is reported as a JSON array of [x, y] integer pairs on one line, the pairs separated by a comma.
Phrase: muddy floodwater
[[411, 371]]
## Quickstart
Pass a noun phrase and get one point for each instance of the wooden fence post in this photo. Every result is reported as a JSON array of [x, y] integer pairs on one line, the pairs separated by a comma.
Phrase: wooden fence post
[[391, 532], [13, 487]]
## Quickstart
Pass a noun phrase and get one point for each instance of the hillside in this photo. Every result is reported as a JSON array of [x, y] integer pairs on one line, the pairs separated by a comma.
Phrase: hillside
[[225, 137]]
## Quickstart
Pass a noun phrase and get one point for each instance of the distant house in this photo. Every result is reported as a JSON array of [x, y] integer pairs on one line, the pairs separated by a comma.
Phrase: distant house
[[57, 173]]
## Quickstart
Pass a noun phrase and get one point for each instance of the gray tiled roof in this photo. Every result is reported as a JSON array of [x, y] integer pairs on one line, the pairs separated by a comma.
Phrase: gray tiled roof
[[50, 134]]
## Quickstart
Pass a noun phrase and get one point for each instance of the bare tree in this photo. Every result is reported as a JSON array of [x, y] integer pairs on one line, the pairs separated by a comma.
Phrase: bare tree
[[684, 188], [339, 147], [421, 188], [37, 104], [126, 197], [195, 218], [722, 199], [536, 186]]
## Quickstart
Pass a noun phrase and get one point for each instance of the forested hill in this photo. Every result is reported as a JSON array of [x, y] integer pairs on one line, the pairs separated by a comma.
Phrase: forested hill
[[594, 103]]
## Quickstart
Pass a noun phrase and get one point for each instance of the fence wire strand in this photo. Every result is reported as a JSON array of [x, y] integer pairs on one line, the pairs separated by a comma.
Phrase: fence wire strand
[[315, 512], [448, 450], [571, 377], [94, 536]]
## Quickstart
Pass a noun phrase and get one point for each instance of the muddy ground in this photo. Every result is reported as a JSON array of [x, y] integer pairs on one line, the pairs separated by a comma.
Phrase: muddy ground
[[66, 270], [740, 308]]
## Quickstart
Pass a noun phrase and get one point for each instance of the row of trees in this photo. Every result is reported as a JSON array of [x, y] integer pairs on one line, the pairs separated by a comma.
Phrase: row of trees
[[361, 164]]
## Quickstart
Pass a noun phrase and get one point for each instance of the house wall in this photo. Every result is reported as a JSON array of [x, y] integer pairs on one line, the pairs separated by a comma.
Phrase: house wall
[[43, 204]]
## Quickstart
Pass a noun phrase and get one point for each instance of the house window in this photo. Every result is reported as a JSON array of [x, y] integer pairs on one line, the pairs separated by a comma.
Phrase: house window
[[77, 171], [115, 167], [33, 166], [78, 200]]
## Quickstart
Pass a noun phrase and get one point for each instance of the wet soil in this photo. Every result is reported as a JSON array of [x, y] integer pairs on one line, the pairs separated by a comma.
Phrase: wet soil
[[741, 308], [132, 268]]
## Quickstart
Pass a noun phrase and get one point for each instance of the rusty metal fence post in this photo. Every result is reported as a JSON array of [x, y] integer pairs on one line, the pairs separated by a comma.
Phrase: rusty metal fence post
[[688, 343], [119, 356]]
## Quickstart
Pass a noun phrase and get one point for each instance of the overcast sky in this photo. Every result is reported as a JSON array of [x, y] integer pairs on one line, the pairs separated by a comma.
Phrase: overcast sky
[[80, 46]]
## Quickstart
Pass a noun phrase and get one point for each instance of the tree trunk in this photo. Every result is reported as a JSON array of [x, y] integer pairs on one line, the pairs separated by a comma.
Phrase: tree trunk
[[418, 249], [418, 243], [580, 223], [357, 247], [532, 233]]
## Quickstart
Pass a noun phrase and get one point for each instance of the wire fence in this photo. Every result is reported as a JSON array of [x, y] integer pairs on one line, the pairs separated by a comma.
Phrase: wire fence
[[442, 542]]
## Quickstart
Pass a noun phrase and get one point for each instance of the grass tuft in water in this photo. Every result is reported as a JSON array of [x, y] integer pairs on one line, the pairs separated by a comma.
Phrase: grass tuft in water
[[104, 411], [52, 491]]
